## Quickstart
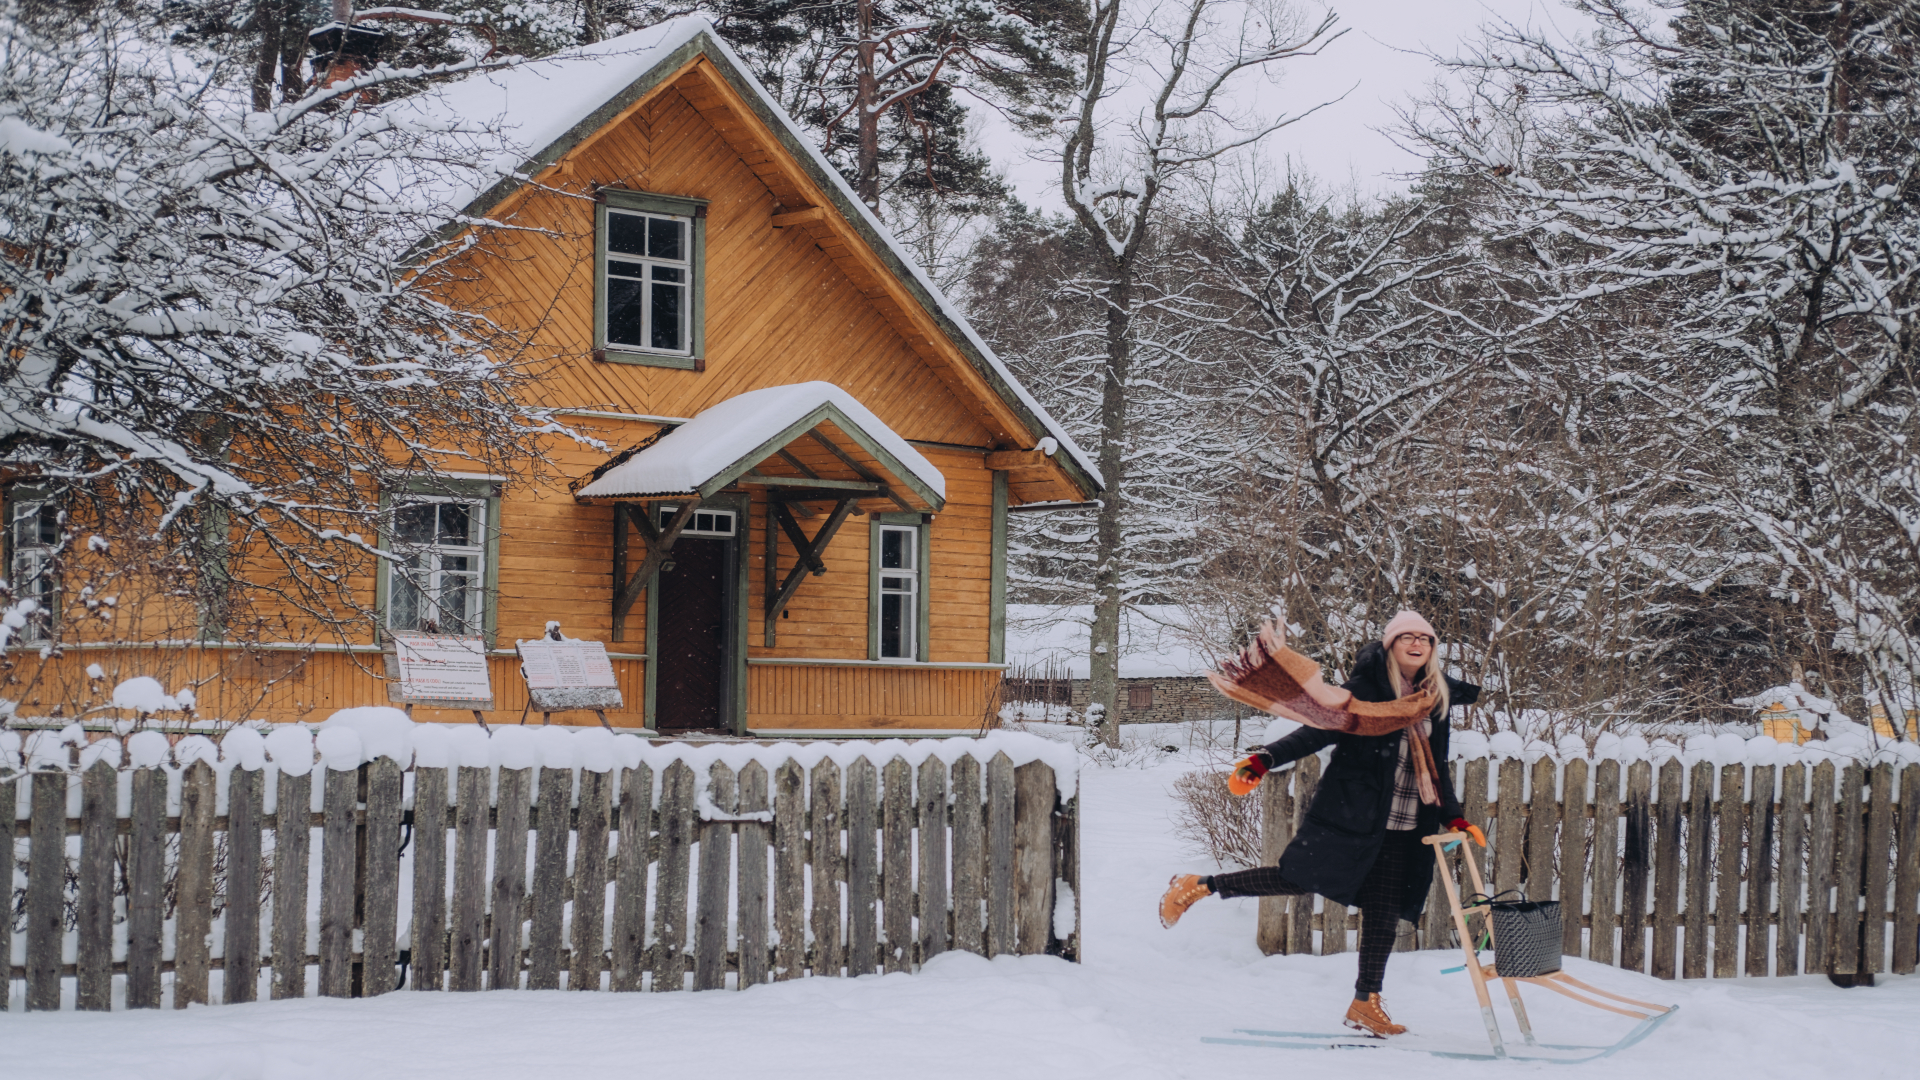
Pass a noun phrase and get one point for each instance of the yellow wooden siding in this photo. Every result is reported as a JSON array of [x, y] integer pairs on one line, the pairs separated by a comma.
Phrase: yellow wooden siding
[[786, 696]]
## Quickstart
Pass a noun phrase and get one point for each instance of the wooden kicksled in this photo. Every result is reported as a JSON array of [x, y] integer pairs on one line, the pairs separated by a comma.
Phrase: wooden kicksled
[[1557, 981]]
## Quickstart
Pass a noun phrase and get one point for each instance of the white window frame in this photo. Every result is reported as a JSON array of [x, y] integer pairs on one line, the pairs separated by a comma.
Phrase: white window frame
[[720, 523], [902, 584], [685, 267], [29, 559], [475, 618]]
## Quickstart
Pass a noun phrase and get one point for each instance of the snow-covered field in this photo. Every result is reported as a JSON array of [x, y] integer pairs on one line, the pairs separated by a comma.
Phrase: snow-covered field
[[1138, 1007]]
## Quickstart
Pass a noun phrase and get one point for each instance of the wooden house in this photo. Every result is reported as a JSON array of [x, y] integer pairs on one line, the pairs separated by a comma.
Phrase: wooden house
[[800, 526]]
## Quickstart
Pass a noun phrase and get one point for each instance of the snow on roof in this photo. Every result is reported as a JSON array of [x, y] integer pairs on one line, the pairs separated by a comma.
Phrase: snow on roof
[[719, 437], [537, 104], [1153, 643]]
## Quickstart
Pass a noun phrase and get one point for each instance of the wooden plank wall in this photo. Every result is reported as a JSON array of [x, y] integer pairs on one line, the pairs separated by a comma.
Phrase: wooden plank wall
[[603, 843], [1734, 870], [783, 696]]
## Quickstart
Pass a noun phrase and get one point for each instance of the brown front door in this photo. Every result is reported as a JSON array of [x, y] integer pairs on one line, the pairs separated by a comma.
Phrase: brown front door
[[690, 637]]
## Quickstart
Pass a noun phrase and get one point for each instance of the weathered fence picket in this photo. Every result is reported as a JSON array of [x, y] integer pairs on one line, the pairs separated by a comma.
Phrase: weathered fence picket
[[1710, 871], [715, 879]]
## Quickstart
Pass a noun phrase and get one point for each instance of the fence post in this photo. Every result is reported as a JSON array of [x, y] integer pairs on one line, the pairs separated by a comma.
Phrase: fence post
[[193, 887], [1878, 856], [969, 858], [1906, 877], [1636, 866], [94, 910], [1607, 863], [46, 880], [1794, 911], [1760, 825], [146, 887], [1276, 832], [380, 902], [1035, 795], [1573, 855], [240, 978], [1306, 779], [1726, 893]]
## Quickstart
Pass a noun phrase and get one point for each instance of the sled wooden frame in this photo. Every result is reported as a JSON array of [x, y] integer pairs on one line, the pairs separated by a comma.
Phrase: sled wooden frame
[[1559, 981]]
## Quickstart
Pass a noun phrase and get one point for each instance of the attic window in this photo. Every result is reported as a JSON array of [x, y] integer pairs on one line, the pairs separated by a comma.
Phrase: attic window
[[648, 288]]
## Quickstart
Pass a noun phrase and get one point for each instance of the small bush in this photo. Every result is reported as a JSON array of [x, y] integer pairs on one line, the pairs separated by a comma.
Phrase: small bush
[[1216, 822]]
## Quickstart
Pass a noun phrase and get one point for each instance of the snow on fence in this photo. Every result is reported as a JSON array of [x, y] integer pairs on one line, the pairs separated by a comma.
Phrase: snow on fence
[[625, 865], [1811, 866]]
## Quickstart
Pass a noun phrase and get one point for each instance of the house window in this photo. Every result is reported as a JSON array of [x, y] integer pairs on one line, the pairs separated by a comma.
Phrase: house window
[[1139, 697], [648, 252], [704, 523], [439, 586], [899, 592], [33, 532]]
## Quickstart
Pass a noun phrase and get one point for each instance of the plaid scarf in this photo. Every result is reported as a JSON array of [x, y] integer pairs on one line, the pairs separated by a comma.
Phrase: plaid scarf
[[1405, 813]]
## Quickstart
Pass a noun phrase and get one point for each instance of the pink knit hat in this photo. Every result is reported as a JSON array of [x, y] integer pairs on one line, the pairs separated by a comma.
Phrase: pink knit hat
[[1407, 622]]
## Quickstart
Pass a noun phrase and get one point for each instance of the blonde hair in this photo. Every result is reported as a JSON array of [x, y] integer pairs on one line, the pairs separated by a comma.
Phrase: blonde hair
[[1431, 677]]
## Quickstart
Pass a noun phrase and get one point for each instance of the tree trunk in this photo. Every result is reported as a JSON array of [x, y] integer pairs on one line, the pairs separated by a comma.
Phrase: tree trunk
[[866, 96], [1103, 661], [268, 20]]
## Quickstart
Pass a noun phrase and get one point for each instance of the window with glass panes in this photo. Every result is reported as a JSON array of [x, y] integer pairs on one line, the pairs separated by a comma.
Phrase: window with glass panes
[[439, 586], [649, 286], [899, 591], [33, 531]]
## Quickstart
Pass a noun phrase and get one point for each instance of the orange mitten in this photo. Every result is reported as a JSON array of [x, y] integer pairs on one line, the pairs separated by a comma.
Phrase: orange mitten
[[1461, 824], [1247, 775]]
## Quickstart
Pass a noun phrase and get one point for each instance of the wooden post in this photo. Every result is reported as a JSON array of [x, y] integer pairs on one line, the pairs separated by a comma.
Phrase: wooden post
[[969, 858], [1698, 870], [752, 891], [1668, 811], [1846, 907], [339, 857], [1000, 821], [146, 886], [1573, 855], [1607, 862], [931, 810], [628, 962], [193, 888], [1820, 867], [380, 908], [509, 889], [9, 796], [292, 839], [1793, 906], [827, 869], [896, 865], [1636, 866], [863, 870], [1906, 874], [1035, 795], [1543, 814], [1726, 893], [428, 927], [545, 937], [1760, 820], [715, 888], [1306, 780], [670, 885], [590, 882], [466, 962], [93, 911], [789, 871], [1276, 832], [1878, 856], [46, 883], [1509, 827]]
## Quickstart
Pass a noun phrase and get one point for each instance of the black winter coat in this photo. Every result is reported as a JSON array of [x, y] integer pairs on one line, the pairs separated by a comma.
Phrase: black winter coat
[[1347, 820]]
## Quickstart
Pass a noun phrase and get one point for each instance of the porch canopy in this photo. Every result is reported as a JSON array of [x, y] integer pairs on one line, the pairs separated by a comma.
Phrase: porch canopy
[[808, 443]]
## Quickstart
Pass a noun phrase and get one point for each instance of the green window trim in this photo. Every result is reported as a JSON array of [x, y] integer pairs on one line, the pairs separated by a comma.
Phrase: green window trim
[[997, 588], [487, 491], [645, 202], [923, 616]]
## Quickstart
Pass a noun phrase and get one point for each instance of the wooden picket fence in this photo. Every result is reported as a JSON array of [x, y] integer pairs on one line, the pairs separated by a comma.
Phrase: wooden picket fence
[[1714, 871], [632, 883]]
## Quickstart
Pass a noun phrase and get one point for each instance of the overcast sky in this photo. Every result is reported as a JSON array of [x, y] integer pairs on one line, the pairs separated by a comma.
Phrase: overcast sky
[[1379, 60]]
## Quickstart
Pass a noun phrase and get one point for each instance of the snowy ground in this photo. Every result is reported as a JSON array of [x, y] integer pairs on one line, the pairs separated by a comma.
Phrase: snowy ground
[[1138, 1007]]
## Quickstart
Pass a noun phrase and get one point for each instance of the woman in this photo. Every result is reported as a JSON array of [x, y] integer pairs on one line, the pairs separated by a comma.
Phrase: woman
[[1360, 843]]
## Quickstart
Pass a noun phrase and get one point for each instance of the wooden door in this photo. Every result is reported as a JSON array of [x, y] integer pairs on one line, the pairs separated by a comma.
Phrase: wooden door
[[690, 637]]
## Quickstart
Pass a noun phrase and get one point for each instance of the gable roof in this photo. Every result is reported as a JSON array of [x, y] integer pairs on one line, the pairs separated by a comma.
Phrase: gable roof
[[726, 441], [541, 109]]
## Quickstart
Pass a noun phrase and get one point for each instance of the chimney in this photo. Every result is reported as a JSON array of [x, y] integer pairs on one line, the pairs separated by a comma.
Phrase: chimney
[[342, 50]]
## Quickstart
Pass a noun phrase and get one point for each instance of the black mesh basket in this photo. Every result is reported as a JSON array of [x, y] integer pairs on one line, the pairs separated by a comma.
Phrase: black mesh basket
[[1526, 937]]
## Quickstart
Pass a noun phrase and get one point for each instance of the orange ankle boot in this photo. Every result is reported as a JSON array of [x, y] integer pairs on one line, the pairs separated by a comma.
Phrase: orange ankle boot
[[1183, 891], [1371, 1017]]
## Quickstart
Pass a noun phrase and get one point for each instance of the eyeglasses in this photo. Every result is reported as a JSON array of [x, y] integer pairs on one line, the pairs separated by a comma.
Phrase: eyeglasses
[[1423, 639]]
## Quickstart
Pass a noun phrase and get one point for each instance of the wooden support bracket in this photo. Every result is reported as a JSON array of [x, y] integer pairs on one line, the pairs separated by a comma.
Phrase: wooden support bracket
[[627, 588], [809, 552], [800, 217]]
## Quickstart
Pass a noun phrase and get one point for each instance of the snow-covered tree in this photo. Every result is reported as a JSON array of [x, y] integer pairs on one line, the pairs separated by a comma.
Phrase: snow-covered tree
[[222, 330], [1741, 178]]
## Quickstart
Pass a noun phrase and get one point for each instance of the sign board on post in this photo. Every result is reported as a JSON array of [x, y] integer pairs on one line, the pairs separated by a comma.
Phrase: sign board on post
[[567, 674], [439, 672]]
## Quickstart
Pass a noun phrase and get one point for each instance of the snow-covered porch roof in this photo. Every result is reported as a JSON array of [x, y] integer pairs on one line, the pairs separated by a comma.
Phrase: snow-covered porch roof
[[807, 437]]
